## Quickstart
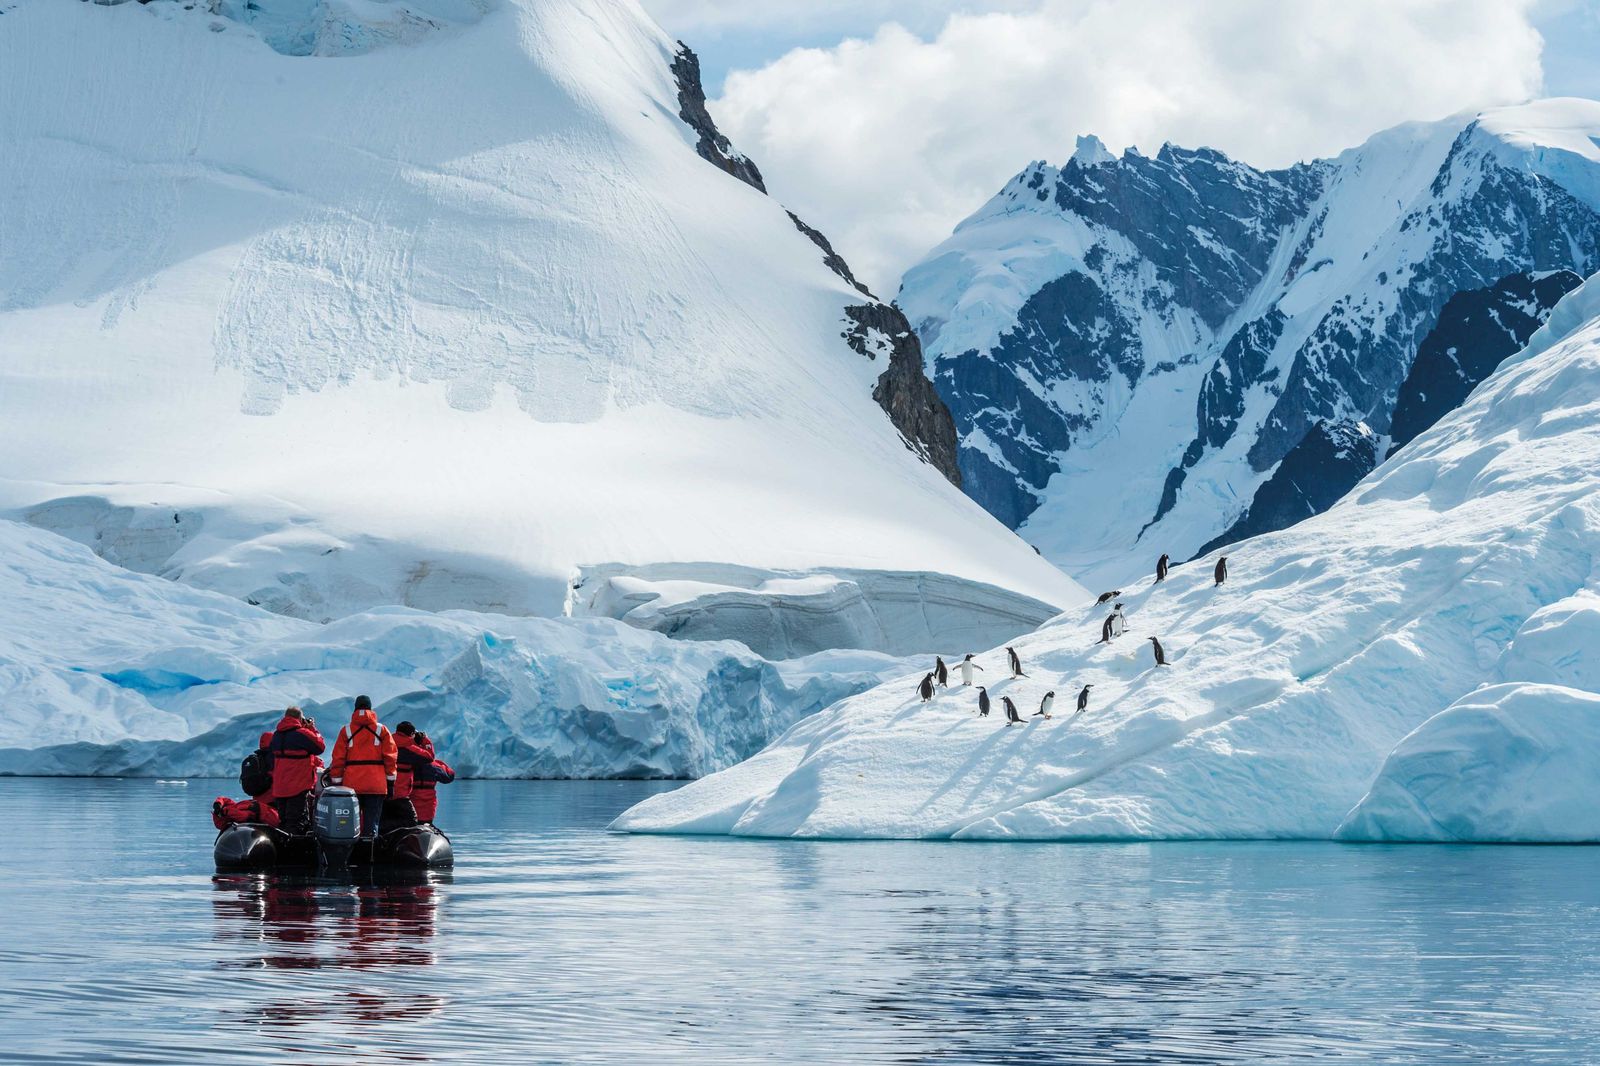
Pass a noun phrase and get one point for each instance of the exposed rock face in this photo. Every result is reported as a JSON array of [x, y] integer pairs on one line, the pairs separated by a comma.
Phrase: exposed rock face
[[1316, 473], [1158, 334], [713, 146], [872, 329], [832, 259], [903, 389], [1477, 330]]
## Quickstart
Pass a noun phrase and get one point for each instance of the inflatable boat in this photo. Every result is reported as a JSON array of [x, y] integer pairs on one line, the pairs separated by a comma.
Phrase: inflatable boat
[[249, 846], [333, 843]]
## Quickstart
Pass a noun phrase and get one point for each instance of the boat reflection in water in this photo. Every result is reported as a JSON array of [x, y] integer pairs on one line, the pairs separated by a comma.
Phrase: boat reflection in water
[[382, 920]]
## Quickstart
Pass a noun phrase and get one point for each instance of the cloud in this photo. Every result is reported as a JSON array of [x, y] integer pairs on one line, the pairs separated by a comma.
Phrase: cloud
[[886, 142]]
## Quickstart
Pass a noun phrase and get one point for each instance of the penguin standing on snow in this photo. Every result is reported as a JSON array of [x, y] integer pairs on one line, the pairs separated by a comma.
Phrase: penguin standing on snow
[[1119, 622], [1107, 597], [1161, 655], [983, 702], [1045, 704], [1222, 570], [1105, 629], [941, 672], [925, 689], [1012, 717], [967, 666], [1161, 568], [1083, 698], [1016, 663]]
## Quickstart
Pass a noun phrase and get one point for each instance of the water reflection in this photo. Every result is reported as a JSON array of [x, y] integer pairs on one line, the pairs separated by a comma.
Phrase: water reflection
[[553, 941], [310, 923]]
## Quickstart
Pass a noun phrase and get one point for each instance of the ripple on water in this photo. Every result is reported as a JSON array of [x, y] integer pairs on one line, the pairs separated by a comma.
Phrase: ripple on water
[[554, 941]]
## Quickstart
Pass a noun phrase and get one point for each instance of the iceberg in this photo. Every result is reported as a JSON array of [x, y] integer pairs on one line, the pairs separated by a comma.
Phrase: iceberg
[[1508, 763], [1333, 686], [107, 671]]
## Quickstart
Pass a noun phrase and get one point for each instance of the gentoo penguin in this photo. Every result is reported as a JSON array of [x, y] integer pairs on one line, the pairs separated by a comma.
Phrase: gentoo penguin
[[983, 702], [1161, 656], [1016, 663], [1105, 629], [967, 666], [925, 688], [1045, 704], [1083, 698], [1106, 597], [1012, 717], [1161, 567], [1222, 570], [941, 672], [1119, 621]]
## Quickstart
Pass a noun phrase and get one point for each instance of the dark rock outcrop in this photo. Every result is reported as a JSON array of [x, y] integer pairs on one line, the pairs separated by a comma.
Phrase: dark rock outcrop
[[903, 389], [830, 258], [1316, 473], [713, 147], [1476, 331]]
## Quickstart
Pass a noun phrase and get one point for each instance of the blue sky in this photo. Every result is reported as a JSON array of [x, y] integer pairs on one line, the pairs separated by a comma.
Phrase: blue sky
[[885, 122], [728, 40]]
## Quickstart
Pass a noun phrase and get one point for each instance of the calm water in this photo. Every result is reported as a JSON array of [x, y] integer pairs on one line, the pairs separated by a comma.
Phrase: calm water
[[554, 941]]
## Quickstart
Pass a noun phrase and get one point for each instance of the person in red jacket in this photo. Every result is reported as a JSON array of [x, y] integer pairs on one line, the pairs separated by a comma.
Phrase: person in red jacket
[[263, 758], [364, 761], [426, 781], [411, 758], [295, 747]]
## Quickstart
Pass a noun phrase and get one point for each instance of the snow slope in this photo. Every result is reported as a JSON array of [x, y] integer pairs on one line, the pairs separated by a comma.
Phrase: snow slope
[[104, 671], [1466, 560], [1132, 347], [432, 316]]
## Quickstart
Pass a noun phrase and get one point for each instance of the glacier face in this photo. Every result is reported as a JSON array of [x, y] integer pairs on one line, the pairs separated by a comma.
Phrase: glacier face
[[1398, 667], [106, 671], [1132, 346], [430, 321]]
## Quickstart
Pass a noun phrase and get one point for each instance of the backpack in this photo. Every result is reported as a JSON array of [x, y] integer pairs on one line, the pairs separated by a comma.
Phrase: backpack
[[255, 773]]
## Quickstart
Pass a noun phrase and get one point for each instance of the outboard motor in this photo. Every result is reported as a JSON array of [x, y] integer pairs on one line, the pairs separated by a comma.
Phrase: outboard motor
[[338, 823]]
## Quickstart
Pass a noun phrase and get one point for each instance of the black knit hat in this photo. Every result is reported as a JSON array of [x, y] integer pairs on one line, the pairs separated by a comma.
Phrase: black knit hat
[[363, 703], [406, 729]]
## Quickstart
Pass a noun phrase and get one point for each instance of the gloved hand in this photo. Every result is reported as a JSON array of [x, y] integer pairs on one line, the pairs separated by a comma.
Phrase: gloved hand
[[389, 785]]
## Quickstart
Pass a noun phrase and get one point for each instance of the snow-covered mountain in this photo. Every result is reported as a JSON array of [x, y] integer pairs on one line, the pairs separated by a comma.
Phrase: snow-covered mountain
[[1415, 663], [1133, 347], [326, 304]]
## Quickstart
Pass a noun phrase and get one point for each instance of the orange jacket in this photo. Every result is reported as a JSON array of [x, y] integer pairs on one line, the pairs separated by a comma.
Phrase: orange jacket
[[364, 756]]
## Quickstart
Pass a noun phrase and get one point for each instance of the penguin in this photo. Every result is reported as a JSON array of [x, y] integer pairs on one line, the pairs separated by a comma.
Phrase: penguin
[[925, 689], [1083, 698], [983, 702], [1045, 704], [967, 666], [1161, 655], [1119, 621], [1105, 629], [1222, 570], [941, 672], [1107, 597], [1016, 663], [1012, 717], [1161, 568]]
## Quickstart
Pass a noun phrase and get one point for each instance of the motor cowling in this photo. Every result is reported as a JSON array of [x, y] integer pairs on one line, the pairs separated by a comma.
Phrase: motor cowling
[[338, 815]]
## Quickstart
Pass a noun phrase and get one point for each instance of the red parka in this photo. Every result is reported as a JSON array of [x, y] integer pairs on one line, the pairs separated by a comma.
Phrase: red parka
[[295, 747], [364, 756], [226, 812], [410, 756]]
